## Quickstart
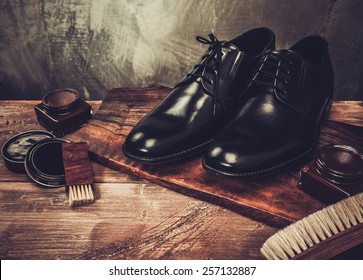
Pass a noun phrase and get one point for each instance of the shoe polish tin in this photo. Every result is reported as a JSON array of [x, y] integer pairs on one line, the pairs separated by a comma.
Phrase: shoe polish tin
[[63, 111], [15, 149], [44, 163], [334, 174]]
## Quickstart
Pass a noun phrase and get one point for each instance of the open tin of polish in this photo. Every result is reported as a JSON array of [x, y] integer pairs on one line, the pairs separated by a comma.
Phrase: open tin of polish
[[334, 174], [44, 163], [63, 111], [61, 101], [15, 149]]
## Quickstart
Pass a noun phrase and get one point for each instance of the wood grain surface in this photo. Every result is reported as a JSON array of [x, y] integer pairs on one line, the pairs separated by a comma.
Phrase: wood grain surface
[[76, 164], [275, 200], [131, 219]]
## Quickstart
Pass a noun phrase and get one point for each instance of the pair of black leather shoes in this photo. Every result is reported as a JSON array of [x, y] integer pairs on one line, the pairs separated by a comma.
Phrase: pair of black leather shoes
[[253, 109]]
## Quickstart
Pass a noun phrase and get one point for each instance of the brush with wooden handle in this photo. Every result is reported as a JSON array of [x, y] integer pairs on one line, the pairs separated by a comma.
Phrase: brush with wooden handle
[[78, 173], [322, 235]]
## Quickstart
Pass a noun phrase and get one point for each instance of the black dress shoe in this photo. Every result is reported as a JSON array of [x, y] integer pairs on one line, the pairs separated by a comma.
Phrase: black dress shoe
[[188, 119], [279, 119]]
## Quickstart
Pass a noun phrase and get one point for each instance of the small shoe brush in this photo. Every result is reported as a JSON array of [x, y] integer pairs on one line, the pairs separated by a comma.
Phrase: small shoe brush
[[78, 173], [324, 234]]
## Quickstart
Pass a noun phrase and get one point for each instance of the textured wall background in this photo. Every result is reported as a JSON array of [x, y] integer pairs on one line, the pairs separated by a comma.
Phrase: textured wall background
[[95, 45]]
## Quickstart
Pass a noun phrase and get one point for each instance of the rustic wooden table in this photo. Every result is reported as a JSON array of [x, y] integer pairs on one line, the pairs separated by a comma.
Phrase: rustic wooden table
[[132, 219]]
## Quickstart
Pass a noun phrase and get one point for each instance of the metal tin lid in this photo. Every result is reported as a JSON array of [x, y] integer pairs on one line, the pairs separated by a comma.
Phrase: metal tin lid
[[340, 164], [44, 162], [15, 149]]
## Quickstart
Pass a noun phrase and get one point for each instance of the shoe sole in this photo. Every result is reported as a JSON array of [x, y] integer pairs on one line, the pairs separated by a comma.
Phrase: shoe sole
[[168, 158], [302, 158]]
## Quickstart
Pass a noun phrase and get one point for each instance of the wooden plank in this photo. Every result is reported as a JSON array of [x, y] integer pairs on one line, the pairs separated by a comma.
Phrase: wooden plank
[[349, 112], [275, 200], [17, 116], [128, 221], [131, 219]]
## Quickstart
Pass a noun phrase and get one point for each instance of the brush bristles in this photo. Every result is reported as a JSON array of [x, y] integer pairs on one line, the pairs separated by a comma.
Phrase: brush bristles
[[80, 195], [311, 230]]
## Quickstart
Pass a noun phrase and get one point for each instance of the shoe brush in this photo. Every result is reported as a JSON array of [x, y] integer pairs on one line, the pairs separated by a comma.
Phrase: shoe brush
[[322, 235], [78, 173]]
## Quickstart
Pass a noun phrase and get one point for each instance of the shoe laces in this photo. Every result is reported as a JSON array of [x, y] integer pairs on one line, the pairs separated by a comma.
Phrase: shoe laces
[[268, 72], [211, 62]]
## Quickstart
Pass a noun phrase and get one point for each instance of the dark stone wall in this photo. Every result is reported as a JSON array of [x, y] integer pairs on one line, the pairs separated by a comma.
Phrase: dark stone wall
[[96, 45]]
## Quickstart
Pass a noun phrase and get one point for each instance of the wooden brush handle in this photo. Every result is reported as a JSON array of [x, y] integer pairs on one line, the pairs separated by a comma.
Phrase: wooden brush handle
[[335, 245], [77, 166]]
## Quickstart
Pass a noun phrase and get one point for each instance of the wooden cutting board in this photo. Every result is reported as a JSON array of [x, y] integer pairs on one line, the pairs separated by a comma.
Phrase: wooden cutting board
[[274, 200]]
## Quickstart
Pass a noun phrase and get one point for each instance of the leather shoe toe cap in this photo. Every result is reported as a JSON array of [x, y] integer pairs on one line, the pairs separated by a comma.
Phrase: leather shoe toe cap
[[227, 161], [138, 145]]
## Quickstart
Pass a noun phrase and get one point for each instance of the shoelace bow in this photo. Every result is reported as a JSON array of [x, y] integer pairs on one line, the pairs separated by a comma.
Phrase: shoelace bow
[[215, 47], [269, 78]]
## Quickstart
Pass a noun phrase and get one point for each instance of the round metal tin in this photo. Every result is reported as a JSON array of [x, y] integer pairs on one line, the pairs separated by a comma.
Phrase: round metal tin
[[340, 164], [44, 162], [15, 149]]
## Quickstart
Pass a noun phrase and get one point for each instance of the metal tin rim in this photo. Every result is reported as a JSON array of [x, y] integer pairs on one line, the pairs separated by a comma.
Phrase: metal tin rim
[[336, 175], [5, 154], [64, 109], [40, 177]]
